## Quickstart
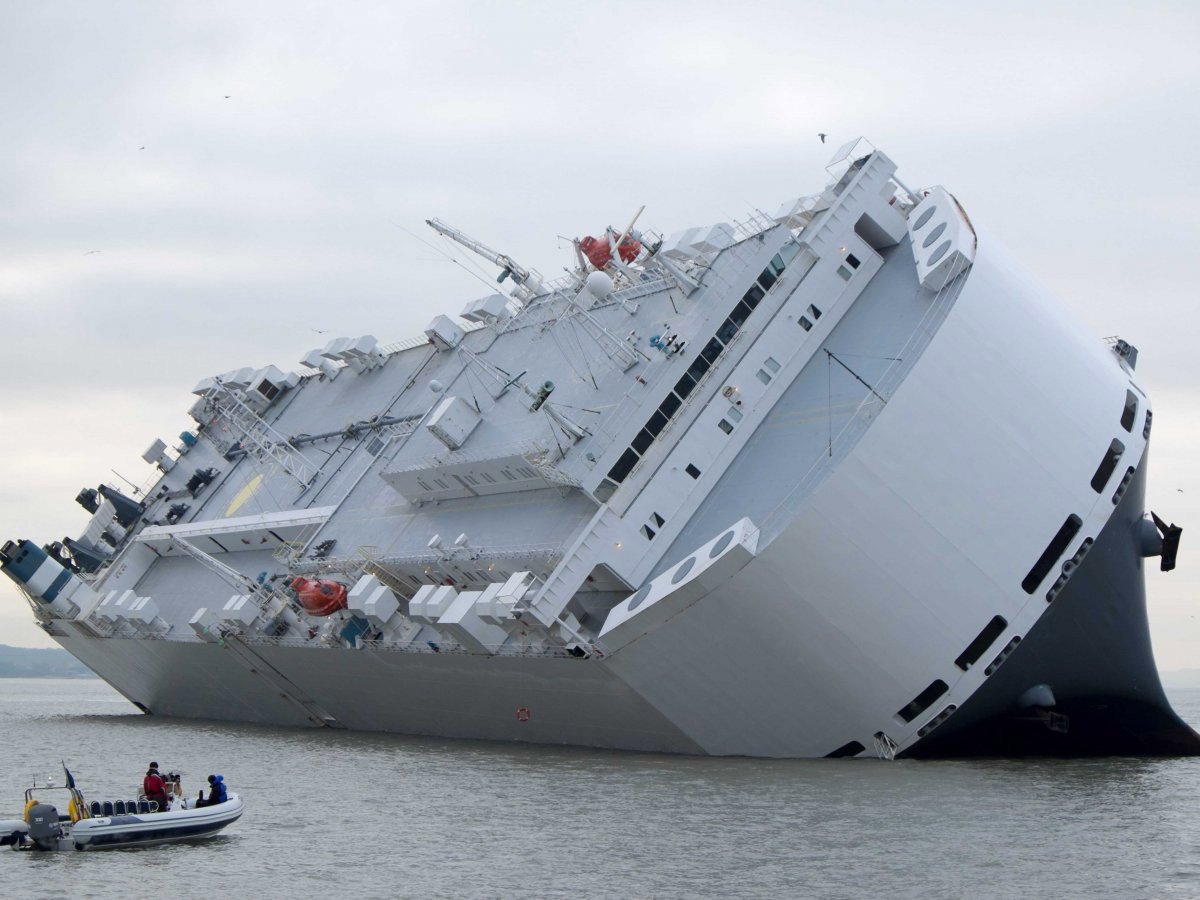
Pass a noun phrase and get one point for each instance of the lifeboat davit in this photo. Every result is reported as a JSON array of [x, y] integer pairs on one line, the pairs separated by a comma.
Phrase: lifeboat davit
[[599, 250], [320, 597]]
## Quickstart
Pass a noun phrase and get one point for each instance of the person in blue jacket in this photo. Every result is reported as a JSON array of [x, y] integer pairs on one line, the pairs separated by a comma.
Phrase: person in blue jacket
[[216, 793]]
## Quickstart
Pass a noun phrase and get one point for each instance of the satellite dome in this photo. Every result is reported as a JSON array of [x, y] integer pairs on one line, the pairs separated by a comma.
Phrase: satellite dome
[[436, 386], [599, 285]]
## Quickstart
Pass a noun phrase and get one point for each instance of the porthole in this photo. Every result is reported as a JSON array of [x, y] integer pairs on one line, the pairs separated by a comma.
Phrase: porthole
[[939, 252], [719, 547], [682, 572], [639, 598], [923, 219], [934, 235]]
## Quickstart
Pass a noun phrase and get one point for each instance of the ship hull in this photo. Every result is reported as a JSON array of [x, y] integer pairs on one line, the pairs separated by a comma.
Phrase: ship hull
[[778, 687], [1092, 647]]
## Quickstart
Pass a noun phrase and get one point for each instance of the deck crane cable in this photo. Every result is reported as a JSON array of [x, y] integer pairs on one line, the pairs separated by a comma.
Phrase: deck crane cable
[[491, 286]]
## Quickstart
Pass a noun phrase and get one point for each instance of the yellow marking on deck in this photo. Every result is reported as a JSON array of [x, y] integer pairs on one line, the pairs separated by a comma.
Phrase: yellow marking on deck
[[243, 495]]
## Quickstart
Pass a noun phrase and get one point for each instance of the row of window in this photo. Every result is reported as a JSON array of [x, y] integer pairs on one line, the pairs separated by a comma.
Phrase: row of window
[[699, 367], [1071, 527]]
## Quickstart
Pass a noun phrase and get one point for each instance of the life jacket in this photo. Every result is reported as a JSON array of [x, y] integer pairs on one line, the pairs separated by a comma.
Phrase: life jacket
[[153, 785], [217, 794]]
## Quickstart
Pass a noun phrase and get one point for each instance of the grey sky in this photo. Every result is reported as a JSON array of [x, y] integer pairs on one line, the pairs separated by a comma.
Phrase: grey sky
[[229, 228]]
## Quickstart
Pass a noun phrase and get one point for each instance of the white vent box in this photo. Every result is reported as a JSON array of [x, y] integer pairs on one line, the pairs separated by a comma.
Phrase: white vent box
[[268, 384], [203, 386], [238, 379], [444, 334], [430, 602], [155, 452], [372, 601], [453, 421], [681, 244], [364, 347], [493, 308], [460, 622], [334, 349], [204, 625], [717, 238]]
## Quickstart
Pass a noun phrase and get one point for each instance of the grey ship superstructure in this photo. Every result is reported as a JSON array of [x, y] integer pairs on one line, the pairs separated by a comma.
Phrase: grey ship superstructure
[[842, 481]]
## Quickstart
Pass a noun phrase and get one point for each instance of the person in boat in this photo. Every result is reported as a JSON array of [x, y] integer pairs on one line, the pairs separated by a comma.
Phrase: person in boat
[[216, 793], [154, 787]]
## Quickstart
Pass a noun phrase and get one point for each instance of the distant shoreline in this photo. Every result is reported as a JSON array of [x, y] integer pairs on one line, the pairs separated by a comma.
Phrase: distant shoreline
[[50, 662]]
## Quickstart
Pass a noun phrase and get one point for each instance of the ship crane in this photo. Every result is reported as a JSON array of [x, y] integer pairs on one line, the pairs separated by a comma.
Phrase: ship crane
[[528, 282]]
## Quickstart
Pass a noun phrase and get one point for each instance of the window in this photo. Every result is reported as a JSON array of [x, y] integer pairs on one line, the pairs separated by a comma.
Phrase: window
[[725, 426], [804, 323], [642, 440], [764, 376], [814, 312], [753, 296], [657, 520], [983, 640], [923, 700], [698, 367], [712, 350], [777, 265], [620, 471], [767, 278], [685, 386], [734, 414], [740, 314], [727, 330], [692, 470], [1130, 412], [1107, 466], [1050, 555], [648, 533], [852, 261], [669, 405], [657, 423], [771, 365], [845, 273]]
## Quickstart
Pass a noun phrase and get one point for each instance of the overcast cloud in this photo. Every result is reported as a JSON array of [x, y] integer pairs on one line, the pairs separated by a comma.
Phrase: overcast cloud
[[187, 188]]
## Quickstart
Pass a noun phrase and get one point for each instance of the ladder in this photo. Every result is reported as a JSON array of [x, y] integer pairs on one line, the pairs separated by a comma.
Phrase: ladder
[[258, 438]]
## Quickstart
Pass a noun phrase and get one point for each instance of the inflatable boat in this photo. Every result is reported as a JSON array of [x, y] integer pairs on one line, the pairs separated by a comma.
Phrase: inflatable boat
[[109, 824]]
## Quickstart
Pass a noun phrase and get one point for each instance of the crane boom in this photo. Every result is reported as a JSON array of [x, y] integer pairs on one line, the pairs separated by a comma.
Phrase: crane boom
[[520, 275]]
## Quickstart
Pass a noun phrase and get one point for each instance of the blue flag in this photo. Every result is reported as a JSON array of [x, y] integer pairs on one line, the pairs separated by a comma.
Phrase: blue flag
[[70, 777]]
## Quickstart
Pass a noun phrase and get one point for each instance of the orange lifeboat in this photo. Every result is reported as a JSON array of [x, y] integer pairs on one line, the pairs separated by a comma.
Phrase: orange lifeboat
[[599, 250], [320, 597]]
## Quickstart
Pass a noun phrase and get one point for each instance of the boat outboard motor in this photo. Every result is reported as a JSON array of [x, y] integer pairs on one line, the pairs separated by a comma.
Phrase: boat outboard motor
[[44, 827]]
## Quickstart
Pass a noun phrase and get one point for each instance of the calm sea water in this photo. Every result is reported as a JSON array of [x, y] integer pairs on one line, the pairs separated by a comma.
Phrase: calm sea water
[[334, 814]]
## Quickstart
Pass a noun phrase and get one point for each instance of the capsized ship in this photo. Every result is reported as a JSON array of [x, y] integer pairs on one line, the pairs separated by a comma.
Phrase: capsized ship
[[842, 481]]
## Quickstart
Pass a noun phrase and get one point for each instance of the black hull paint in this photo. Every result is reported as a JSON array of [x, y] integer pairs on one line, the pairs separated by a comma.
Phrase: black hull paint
[[1092, 647]]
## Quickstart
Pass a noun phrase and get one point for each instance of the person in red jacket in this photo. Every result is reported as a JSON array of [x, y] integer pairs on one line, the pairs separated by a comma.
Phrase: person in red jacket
[[154, 787]]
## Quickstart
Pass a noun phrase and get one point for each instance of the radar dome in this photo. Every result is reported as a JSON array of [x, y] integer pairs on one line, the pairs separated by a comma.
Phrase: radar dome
[[599, 285], [436, 386]]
